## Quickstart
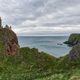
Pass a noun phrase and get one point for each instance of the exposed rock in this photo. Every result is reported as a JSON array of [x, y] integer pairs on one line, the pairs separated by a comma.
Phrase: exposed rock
[[75, 52], [74, 41], [8, 41]]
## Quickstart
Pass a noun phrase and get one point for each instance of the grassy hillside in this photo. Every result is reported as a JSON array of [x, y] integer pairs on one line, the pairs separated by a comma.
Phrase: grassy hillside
[[73, 39], [29, 64]]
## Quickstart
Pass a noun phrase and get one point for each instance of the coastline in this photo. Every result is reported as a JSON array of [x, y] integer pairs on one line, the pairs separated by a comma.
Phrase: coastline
[[46, 44]]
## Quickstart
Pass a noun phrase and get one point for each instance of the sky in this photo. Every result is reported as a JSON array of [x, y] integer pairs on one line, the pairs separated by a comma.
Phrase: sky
[[41, 17]]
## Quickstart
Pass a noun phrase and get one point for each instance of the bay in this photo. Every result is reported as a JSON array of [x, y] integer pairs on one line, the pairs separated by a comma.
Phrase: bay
[[52, 45]]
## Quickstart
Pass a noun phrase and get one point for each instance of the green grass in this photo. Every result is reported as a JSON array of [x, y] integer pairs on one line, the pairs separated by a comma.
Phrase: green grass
[[73, 39], [29, 64]]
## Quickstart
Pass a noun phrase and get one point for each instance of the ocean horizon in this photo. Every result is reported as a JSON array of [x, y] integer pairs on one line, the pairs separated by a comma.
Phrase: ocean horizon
[[52, 45]]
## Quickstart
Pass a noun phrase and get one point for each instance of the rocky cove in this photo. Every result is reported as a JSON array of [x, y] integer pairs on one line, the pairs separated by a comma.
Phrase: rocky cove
[[29, 64]]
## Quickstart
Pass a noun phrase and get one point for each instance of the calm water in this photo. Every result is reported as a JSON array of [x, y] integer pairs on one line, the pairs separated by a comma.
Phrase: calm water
[[50, 44]]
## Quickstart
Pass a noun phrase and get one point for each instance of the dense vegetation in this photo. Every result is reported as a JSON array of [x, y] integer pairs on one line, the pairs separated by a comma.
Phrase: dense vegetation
[[73, 39], [29, 64]]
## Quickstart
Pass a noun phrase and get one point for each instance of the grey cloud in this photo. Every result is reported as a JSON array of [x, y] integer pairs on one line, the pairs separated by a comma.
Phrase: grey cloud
[[62, 12]]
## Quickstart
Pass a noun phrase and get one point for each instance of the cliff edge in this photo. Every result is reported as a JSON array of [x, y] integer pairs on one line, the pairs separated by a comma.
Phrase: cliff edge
[[73, 39], [8, 40]]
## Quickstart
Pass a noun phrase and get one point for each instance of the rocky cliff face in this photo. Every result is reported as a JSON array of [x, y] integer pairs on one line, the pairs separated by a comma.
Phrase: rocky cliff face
[[8, 42], [74, 41], [75, 52]]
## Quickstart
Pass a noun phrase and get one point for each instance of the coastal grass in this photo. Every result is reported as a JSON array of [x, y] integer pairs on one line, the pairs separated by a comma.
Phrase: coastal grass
[[30, 64]]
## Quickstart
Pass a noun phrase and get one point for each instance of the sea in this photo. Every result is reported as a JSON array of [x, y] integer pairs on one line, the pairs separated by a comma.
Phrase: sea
[[52, 45]]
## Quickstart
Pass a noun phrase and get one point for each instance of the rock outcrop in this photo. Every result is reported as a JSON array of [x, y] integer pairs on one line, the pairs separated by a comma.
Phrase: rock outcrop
[[74, 41], [8, 41], [75, 52]]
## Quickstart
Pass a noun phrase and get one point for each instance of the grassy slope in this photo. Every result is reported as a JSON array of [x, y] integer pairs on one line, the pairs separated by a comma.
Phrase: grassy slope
[[29, 64], [73, 39]]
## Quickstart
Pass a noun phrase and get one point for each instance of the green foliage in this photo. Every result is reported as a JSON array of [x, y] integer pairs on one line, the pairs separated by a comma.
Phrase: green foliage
[[29, 64], [73, 39]]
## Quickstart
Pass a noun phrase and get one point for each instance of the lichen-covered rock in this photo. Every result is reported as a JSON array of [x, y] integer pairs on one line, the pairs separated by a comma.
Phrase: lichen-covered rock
[[8, 41]]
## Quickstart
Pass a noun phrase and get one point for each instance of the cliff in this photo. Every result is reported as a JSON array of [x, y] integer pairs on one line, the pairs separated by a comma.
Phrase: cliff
[[30, 64], [8, 42], [73, 39]]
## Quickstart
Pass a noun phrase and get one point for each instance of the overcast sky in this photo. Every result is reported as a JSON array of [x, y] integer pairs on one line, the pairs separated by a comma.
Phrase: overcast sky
[[41, 17]]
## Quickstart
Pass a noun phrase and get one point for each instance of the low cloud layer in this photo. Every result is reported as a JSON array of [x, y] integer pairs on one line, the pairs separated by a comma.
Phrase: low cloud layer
[[41, 17]]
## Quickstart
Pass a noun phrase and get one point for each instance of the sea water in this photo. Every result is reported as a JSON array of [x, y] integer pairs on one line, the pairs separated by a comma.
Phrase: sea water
[[52, 45]]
